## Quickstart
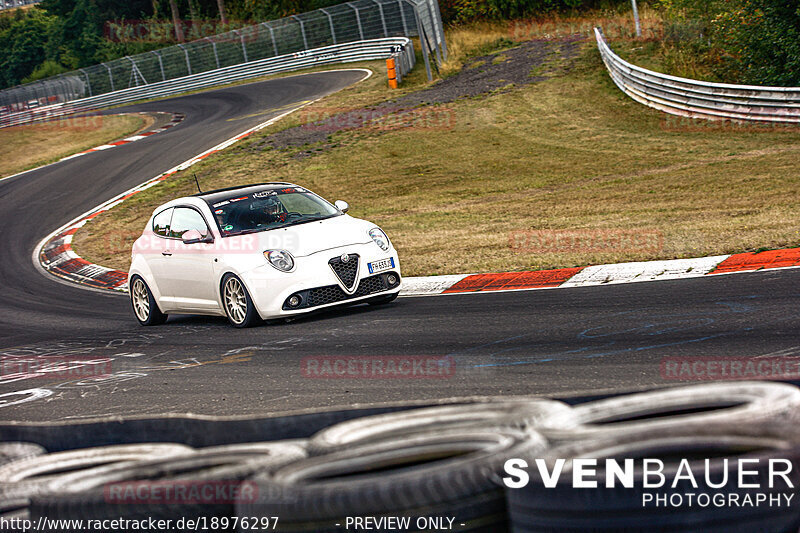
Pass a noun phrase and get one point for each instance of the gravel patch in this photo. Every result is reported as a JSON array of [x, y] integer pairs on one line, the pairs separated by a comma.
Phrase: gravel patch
[[497, 72]]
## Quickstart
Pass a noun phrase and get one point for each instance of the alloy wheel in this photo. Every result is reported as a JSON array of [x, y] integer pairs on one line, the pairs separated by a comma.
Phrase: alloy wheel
[[141, 300], [235, 300]]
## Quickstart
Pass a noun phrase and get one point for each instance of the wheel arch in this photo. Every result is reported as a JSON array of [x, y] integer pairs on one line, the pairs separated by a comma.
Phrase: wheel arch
[[139, 267], [243, 280]]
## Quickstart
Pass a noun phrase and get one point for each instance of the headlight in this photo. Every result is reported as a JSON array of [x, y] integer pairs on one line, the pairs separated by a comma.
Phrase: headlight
[[280, 259], [380, 238]]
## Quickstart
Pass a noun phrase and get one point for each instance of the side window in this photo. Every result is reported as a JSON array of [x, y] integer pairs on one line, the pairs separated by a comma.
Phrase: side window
[[184, 219], [161, 222]]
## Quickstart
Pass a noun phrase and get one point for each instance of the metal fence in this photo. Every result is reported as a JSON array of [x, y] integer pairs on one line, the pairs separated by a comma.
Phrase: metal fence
[[10, 4], [700, 99], [400, 48], [359, 20]]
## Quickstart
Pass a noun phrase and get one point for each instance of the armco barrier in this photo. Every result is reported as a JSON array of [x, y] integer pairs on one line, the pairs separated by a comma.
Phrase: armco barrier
[[337, 25], [700, 99], [400, 49]]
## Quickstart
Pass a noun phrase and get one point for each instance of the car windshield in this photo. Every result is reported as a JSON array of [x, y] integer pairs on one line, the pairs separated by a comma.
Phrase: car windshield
[[269, 208]]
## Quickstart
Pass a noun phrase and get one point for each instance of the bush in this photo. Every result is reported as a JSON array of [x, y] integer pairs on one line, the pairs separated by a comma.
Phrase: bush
[[470, 10], [22, 43], [45, 70], [744, 41]]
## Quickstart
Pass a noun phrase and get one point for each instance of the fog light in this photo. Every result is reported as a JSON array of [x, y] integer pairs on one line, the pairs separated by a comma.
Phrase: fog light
[[392, 279], [294, 301]]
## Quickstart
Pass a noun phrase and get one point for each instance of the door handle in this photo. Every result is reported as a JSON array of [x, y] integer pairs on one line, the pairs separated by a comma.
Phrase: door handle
[[166, 253]]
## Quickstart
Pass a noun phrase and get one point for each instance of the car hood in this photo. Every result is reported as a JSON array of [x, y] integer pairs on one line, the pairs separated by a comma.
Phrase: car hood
[[305, 239]]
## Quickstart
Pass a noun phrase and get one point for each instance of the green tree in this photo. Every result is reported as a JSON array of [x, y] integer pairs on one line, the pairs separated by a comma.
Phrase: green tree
[[104, 10], [81, 33], [748, 41], [22, 45], [762, 38]]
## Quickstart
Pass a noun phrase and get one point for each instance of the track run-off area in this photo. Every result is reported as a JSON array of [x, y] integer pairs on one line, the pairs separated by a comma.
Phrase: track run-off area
[[580, 341]]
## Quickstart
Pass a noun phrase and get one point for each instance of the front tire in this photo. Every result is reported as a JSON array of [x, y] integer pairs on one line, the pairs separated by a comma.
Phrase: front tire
[[238, 305], [144, 305]]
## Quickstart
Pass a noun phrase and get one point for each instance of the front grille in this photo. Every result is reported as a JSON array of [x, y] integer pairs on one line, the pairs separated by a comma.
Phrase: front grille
[[333, 293], [326, 295], [346, 271], [370, 285]]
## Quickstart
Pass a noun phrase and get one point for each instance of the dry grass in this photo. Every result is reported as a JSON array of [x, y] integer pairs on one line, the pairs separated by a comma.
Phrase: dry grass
[[29, 146], [464, 42], [571, 153], [369, 92], [473, 40], [616, 25], [10, 10]]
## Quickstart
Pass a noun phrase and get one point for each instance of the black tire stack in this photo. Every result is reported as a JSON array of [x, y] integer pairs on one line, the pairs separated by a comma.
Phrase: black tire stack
[[424, 462]]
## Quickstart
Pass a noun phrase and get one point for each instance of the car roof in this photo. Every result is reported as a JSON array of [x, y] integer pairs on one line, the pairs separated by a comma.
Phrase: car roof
[[221, 194]]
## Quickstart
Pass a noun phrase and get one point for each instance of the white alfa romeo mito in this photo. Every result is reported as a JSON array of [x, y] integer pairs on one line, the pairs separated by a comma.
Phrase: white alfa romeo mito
[[258, 252]]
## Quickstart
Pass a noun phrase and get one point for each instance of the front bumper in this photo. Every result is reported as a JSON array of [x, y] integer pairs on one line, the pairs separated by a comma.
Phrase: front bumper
[[332, 294], [315, 283]]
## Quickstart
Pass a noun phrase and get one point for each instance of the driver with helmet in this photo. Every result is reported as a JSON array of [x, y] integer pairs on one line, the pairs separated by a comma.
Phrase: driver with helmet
[[274, 210]]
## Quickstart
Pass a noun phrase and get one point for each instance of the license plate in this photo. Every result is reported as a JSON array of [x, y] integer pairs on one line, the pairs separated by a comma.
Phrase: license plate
[[381, 265]]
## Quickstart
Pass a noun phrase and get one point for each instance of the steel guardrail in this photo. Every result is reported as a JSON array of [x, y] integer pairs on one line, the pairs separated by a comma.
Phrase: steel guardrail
[[336, 25], [700, 99], [399, 48]]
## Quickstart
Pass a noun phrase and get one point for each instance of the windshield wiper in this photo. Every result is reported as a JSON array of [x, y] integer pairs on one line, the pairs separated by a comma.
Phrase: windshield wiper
[[245, 231], [308, 219]]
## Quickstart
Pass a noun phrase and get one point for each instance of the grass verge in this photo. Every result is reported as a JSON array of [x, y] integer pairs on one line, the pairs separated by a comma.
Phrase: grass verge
[[32, 145], [569, 153]]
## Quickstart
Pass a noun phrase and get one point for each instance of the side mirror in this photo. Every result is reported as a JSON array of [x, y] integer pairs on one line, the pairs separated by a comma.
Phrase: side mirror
[[193, 237], [342, 206]]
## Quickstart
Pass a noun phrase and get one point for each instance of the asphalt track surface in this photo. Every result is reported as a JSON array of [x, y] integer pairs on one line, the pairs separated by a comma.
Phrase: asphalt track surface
[[563, 342]]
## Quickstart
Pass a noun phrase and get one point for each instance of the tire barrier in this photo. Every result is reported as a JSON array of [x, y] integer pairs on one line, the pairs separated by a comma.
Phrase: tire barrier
[[699, 99], [426, 461], [13, 451], [747, 408], [22, 479], [401, 425], [450, 473], [113, 491]]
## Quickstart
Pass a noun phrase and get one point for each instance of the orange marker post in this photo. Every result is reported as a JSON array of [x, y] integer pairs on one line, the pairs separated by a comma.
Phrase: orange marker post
[[390, 68]]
